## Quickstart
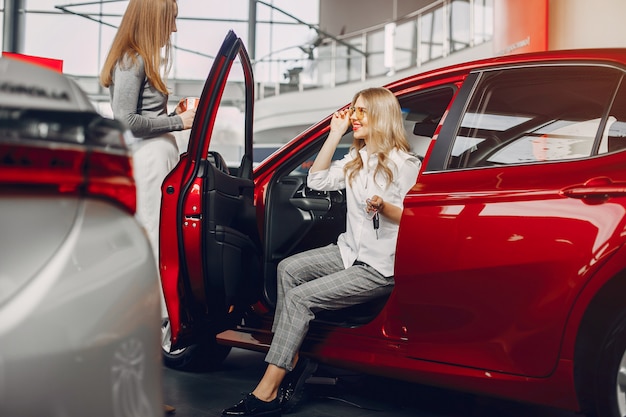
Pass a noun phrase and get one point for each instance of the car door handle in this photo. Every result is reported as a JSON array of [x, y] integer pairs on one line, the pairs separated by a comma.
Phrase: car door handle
[[596, 190], [311, 204]]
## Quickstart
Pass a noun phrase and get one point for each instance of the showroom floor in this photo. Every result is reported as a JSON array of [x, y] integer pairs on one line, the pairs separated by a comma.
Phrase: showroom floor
[[333, 392]]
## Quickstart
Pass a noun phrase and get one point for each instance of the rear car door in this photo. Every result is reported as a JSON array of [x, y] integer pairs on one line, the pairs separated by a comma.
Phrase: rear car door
[[209, 245], [521, 200]]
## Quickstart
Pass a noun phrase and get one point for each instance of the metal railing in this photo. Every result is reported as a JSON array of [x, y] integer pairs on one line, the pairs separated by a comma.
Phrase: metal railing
[[435, 31]]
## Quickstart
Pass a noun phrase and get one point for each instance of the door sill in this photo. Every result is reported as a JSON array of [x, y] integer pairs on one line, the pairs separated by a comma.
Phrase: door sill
[[256, 340]]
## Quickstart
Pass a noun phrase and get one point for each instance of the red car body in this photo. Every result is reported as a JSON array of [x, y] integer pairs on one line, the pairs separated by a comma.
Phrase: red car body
[[510, 264]]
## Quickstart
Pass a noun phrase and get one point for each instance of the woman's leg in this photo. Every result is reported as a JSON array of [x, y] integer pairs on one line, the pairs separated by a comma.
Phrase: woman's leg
[[338, 290], [303, 267], [153, 159], [292, 272]]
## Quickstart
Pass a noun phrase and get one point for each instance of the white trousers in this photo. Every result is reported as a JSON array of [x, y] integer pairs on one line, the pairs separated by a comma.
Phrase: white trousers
[[153, 159]]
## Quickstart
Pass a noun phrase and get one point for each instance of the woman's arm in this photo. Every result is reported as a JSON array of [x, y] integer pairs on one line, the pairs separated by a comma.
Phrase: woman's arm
[[127, 88], [407, 176], [338, 126], [390, 211]]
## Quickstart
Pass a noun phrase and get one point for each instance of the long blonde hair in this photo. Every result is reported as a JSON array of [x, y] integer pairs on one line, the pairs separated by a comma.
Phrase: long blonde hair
[[145, 30], [386, 130]]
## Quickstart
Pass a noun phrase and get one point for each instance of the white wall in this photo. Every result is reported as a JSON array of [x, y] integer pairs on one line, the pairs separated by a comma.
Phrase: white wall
[[577, 24]]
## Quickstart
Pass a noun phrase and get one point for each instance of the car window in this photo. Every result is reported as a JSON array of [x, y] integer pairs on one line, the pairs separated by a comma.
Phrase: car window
[[229, 130], [537, 114], [342, 149], [614, 135], [422, 112], [263, 150]]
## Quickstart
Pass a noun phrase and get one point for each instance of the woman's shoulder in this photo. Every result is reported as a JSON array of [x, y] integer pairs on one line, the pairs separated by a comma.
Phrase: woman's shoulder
[[132, 61], [400, 156]]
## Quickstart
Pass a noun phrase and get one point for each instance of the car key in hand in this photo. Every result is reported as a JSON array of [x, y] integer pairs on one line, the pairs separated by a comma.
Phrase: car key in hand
[[375, 216], [376, 223]]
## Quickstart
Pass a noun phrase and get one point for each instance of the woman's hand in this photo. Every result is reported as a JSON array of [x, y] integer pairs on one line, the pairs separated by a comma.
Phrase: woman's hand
[[186, 103], [340, 122], [338, 126], [390, 211], [188, 116], [375, 203], [181, 106]]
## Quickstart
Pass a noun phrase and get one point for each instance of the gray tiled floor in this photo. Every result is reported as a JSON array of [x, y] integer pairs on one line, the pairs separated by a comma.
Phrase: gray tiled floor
[[206, 394]]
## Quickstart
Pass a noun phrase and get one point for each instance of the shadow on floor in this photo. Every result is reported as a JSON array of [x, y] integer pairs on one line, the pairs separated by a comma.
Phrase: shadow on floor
[[333, 392]]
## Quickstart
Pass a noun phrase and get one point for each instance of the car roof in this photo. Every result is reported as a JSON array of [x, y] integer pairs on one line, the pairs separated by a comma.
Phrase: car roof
[[608, 55], [31, 86]]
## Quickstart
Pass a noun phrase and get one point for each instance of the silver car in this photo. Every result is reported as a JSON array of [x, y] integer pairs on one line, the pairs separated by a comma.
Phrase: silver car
[[79, 295]]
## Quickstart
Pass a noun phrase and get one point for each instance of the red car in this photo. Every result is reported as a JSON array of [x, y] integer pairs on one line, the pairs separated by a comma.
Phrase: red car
[[510, 275]]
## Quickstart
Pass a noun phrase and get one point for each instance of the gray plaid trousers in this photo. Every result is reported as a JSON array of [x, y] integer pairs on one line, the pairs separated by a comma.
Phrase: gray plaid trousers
[[311, 281]]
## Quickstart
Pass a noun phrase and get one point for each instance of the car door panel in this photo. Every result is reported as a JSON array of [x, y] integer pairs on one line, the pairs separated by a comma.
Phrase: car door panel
[[231, 251], [491, 260], [483, 301], [210, 214]]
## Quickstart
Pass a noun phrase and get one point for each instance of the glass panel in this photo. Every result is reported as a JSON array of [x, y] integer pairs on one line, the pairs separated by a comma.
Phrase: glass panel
[[422, 112], [342, 65], [192, 59], [82, 37], [533, 115], [324, 65], [614, 137], [342, 149], [459, 25], [483, 21], [376, 53], [405, 45], [356, 60], [229, 131], [431, 35], [202, 24], [281, 48]]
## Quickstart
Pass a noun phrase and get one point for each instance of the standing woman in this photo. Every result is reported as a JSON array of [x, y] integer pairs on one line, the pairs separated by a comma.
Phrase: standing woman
[[133, 70], [377, 173]]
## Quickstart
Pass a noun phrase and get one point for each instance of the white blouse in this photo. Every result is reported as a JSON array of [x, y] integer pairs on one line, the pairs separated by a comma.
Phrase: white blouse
[[359, 241]]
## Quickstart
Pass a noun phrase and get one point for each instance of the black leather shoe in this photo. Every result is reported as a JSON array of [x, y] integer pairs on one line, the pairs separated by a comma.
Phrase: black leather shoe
[[252, 406], [292, 388]]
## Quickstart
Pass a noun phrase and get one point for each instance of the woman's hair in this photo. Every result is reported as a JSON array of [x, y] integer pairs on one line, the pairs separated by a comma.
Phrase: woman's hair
[[145, 30], [386, 130]]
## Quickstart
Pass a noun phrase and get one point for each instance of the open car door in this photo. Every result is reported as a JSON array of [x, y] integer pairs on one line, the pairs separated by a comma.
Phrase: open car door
[[209, 242]]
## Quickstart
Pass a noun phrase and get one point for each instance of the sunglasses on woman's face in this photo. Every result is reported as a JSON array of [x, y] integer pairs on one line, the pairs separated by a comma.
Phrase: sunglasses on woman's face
[[360, 112]]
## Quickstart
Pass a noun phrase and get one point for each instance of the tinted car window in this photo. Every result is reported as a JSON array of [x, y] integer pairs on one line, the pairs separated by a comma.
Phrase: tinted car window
[[422, 113], [537, 114], [614, 136], [342, 149]]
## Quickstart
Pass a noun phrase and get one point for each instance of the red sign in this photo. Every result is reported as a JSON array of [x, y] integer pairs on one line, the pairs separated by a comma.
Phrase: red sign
[[55, 64]]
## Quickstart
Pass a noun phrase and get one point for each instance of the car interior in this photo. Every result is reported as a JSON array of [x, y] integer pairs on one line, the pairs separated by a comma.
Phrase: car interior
[[317, 218], [239, 262]]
